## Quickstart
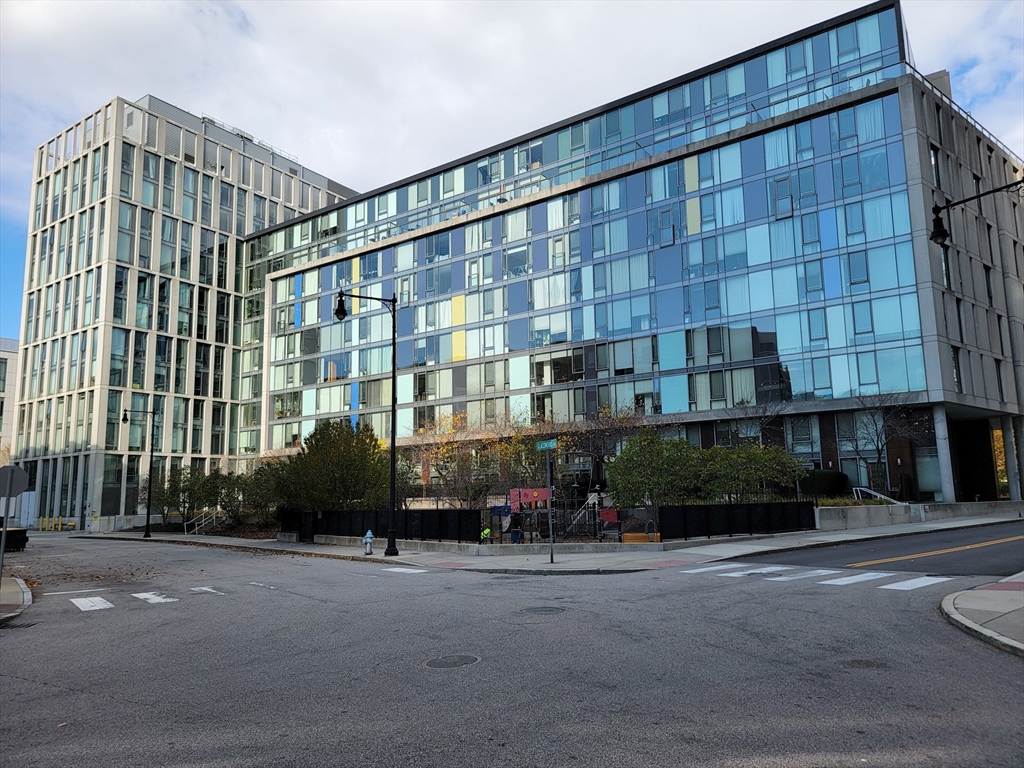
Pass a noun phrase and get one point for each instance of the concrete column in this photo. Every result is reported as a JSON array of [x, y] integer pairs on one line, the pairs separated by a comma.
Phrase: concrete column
[[943, 449], [1013, 447]]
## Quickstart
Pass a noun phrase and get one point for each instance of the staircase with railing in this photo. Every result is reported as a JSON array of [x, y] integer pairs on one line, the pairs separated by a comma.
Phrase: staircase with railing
[[204, 522], [581, 517]]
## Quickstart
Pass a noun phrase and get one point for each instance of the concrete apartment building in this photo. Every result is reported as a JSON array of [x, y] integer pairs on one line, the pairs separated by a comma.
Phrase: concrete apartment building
[[755, 232], [133, 299]]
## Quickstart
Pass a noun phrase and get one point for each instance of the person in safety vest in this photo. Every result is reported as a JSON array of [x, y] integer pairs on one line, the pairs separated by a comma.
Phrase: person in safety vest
[[485, 534]]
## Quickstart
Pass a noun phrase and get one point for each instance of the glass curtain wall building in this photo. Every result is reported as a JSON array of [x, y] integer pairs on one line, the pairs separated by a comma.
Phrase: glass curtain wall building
[[754, 232], [133, 300]]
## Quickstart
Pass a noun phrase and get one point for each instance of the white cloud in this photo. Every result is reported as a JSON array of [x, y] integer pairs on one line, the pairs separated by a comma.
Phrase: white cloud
[[370, 92]]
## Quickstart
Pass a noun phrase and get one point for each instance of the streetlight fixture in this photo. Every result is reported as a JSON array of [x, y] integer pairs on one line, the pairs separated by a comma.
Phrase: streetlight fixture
[[341, 312], [152, 445], [939, 234]]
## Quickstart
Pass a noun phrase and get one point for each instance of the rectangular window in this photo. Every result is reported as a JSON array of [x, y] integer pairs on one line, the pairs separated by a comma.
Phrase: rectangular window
[[862, 317], [816, 324], [934, 156], [858, 267], [717, 385]]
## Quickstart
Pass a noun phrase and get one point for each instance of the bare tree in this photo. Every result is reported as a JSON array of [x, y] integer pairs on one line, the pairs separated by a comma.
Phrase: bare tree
[[602, 437], [749, 421], [878, 421]]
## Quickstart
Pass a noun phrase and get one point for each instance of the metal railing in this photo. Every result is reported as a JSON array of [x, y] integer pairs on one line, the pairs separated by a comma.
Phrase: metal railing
[[859, 492], [592, 503], [204, 520]]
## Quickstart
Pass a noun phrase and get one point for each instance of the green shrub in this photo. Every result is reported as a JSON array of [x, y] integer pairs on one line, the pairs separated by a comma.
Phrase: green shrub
[[849, 501]]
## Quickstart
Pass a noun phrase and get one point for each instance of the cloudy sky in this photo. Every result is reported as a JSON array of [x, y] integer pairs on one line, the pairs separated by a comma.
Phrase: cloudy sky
[[367, 93]]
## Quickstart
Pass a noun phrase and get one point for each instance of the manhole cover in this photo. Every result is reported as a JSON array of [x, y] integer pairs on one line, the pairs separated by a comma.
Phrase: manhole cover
[[542, 609], [450, 662]]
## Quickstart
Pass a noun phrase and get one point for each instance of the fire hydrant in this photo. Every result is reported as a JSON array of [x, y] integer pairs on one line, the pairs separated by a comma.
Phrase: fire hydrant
[[368, 541]]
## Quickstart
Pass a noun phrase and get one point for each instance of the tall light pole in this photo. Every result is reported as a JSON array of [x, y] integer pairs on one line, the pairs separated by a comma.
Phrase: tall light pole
[[152, 445], [341, 312], [939, 233]]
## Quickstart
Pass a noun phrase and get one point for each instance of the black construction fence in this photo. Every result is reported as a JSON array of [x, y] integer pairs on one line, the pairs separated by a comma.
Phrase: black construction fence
[[462, 525], [694, 521]]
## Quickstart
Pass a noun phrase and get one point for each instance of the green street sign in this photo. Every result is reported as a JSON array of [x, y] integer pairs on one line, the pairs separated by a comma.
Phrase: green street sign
[[547, 445]]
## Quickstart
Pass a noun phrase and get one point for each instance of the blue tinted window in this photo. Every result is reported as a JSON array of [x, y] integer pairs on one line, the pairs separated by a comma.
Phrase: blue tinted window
[[517, 297], [518, 334], [670, 307]]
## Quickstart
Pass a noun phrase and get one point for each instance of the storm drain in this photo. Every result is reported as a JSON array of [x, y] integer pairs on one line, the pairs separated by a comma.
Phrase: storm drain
[[453, 661], [544, 609]]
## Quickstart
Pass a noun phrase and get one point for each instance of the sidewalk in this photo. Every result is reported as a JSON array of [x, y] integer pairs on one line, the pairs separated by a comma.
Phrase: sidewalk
[[15, 597], [993, 612]]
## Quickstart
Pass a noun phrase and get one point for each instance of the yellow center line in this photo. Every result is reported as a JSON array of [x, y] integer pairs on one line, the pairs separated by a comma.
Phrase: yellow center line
[[936, 552]]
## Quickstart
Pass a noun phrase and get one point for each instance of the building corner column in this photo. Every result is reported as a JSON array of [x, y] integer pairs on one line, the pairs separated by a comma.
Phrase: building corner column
[[944, 455], [1013, 450]]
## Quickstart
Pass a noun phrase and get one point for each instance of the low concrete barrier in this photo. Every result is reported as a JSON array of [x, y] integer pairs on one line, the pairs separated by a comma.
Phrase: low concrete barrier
[[848, 518], [492, 550]]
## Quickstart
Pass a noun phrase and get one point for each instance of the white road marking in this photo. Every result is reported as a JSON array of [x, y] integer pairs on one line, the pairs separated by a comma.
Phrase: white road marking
[[766, 569], [91, 603], [211, 590], [868, 576], [804, 575], [923, 581], [154, 597], [77, 591], [265, 586], [714, 568], [404, 570]]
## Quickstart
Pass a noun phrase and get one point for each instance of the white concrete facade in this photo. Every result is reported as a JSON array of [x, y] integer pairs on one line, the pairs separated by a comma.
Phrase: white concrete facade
[[131, 300]]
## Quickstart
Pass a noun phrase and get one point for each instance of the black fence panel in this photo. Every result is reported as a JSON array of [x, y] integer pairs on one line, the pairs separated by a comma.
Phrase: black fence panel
[[707, 520], [461, 525]]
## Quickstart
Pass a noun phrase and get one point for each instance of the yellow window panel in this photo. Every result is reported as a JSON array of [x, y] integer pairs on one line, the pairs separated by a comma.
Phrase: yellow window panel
[[690, 173], [458, 345], [693, 216], [458, 310]]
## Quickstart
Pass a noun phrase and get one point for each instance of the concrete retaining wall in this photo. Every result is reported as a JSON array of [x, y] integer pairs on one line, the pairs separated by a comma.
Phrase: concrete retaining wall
[[485, 550], [847, 518]]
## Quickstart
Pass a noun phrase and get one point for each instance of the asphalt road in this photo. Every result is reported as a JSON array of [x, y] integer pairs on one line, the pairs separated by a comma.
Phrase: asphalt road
[[260, 660], [991, 550]]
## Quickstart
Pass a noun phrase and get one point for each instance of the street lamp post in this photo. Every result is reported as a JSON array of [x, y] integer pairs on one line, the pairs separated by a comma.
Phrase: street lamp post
[[149, 481], [341, 312], [939, 233]]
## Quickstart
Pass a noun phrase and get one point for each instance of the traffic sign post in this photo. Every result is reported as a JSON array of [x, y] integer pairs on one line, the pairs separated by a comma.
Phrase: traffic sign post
[[13, 482], [548, 446]]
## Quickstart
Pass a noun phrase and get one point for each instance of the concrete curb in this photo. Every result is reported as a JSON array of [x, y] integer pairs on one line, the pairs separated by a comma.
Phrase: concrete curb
[[820, 544], [957, 619], [553, 571], [242, 548], [26, 600], [380, 560]]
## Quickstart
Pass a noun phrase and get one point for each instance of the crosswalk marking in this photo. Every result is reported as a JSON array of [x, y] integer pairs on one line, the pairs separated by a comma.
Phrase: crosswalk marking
[[766, 569], [405, 570], [154, 597], [211, 590], [869, 576], [258, 584], [713, 568], [91, 603], [923, 581], [804, 575]]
